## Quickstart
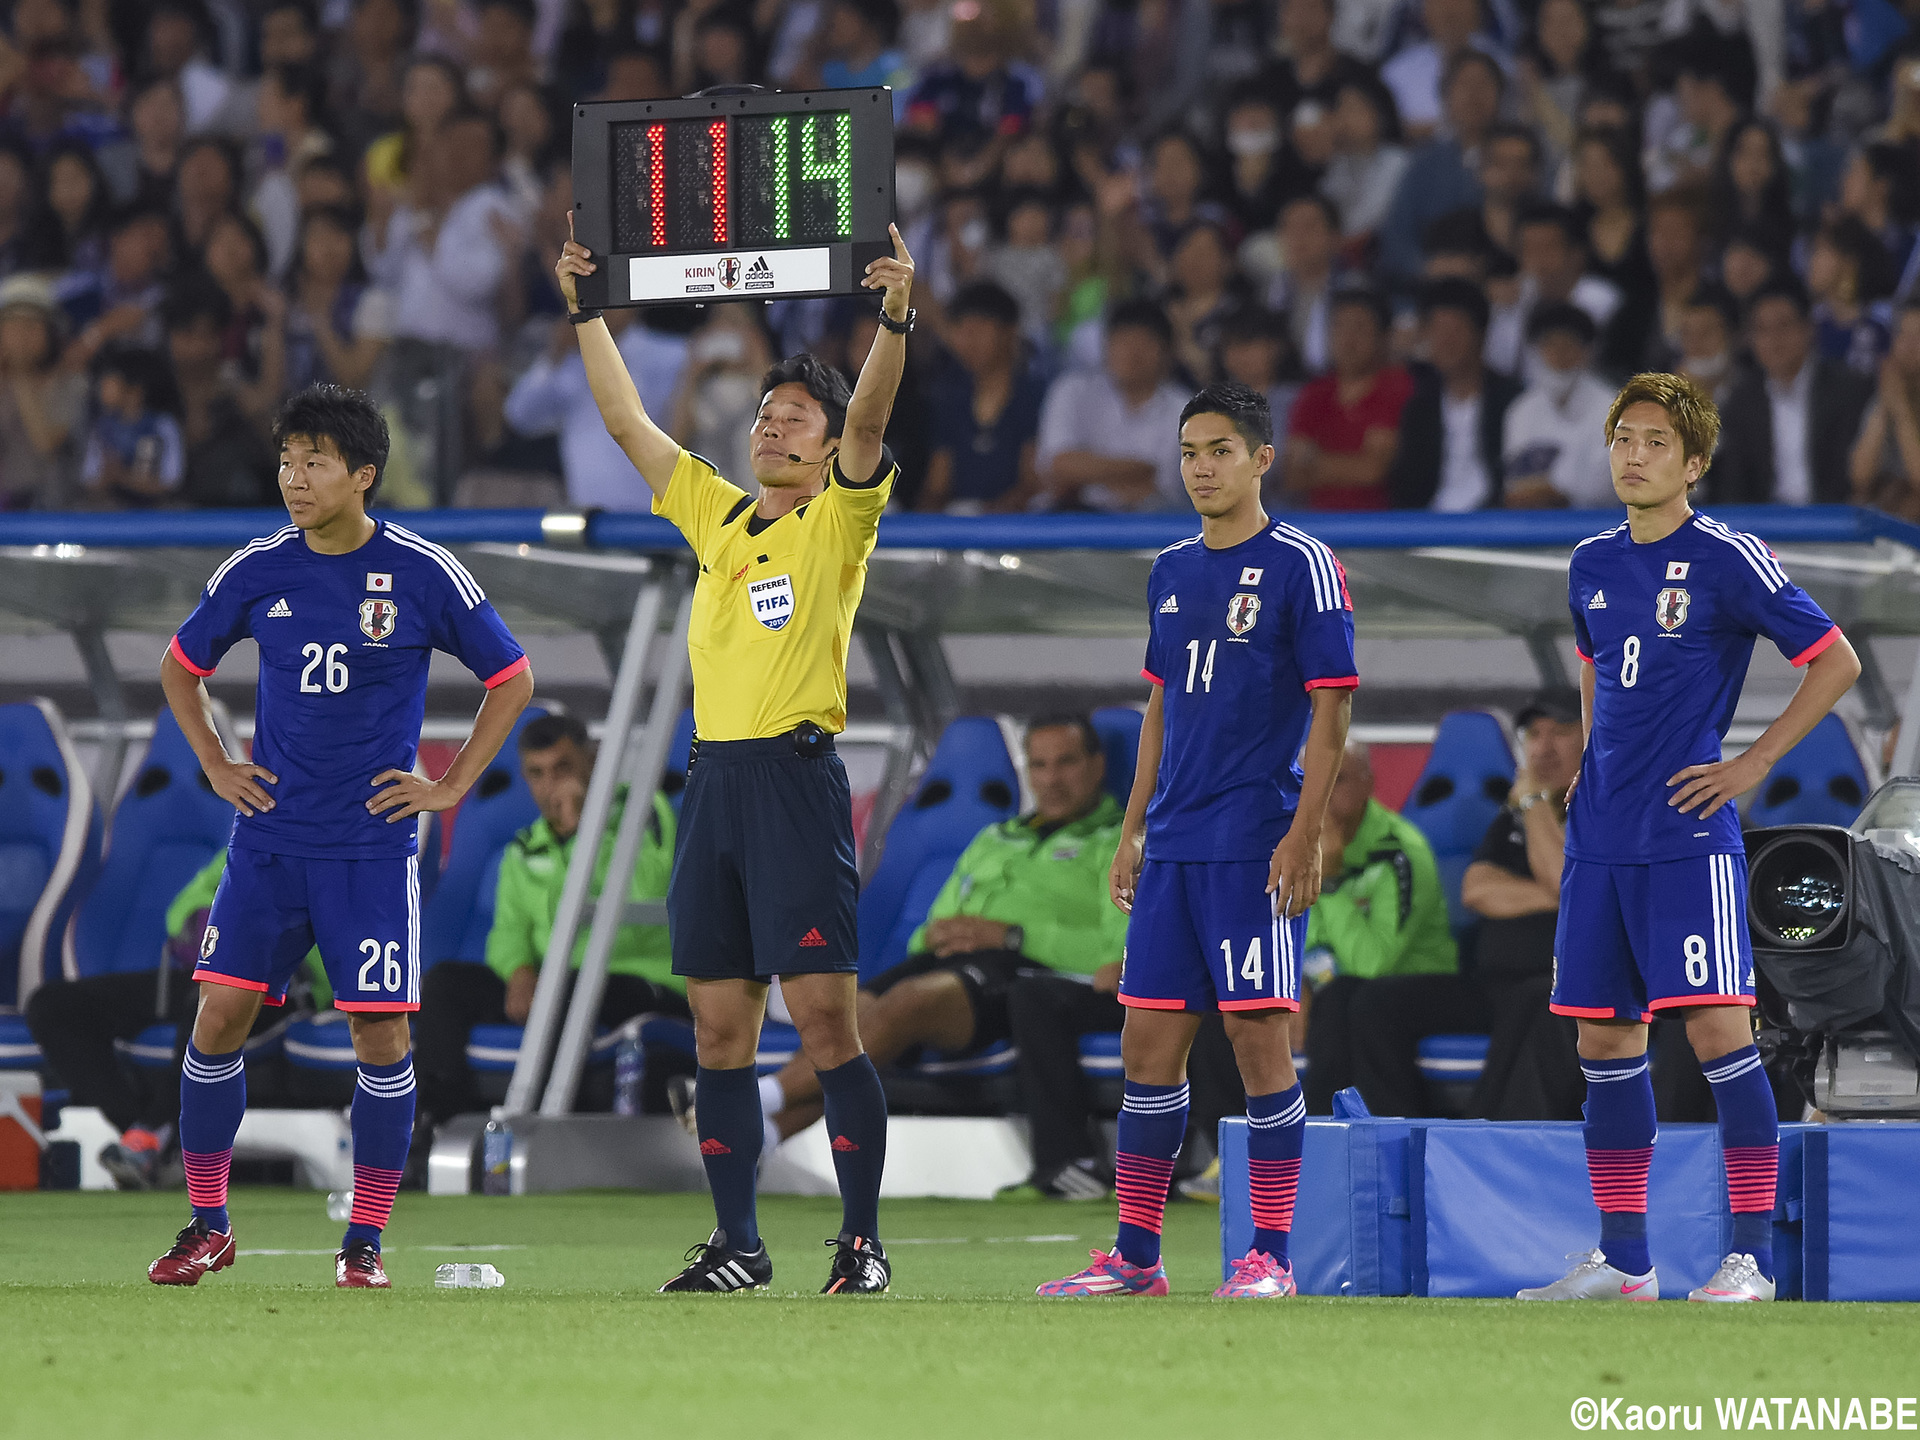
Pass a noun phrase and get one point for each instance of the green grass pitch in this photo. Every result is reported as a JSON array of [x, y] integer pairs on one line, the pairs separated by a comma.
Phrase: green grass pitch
[[577, 1343]]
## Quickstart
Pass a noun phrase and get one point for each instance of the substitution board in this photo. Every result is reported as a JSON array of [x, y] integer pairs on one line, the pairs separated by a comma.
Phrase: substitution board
[[732, 197]]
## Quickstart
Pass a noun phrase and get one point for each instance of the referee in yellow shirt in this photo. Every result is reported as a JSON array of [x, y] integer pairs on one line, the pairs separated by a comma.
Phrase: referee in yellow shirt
[[764, 883]]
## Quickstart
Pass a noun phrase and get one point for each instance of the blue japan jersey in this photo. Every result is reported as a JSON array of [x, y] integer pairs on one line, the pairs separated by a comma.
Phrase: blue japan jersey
[[1237, 638], [345, 642], [1669, 629]]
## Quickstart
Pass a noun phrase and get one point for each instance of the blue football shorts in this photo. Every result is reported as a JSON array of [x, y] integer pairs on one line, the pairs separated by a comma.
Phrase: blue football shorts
[[1206, 936], [1633, 939]]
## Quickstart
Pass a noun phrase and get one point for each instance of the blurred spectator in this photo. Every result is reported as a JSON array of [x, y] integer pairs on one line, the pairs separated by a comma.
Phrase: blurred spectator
[[1559, 63], [1028, 265], [1881, 188], [158, 118], [288, 135], [1676, 248], [1439, 176], [985, 410], [556, 760], [858, 43], [1788, 428], [1414, 73], [177, 39], [1553, 270], [1309, 247], [17, 242], [1849, 277], [432, 91], [1509, 181], [236, 258], [1028, 897], [1345, 426], [1260, 179], [1610, 205], [134, 455], [1369, 161], [1751, 190], [527, 131], [982, 96], [1109, 439], [1254, 351], [1453, 429], [1714, 88], [77, 202], [1381, 912], [1306, 66], [718, 374], [1555, 454], [336, 327], [501, 55], [117, 303], [1746, 265], [1885, 464], [206, 186], [229, 460], [1709, 330], [1203, 292], [42, 405], [1176, 198], [1532, 1071]]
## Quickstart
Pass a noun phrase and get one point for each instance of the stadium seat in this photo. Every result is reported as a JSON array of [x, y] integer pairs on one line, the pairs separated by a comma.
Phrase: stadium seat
[[165, 828], [18, 1050], [969, 783], [1119, 729], [49, 846], [1451, 1066], [152, 1048], [1820, 781], [1464, 785], [454, 923], [493, 1051]]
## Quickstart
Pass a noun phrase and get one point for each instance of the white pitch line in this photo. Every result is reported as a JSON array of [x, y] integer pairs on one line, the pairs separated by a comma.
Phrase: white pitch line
[[390, 1249], [986, 1239]]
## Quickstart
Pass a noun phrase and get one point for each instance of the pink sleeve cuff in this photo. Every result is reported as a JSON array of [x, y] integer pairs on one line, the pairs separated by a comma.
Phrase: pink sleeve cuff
[[173, 649], [1335, 682], [1818, 647], [1149, 675], [507, 674], [1583, 654]]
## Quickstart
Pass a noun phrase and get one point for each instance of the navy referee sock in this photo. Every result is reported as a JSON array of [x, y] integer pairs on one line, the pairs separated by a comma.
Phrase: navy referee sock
[[857, 1120], [727, 1105]]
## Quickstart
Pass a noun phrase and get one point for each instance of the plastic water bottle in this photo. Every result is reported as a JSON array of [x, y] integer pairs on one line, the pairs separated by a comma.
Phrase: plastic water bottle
[[496, 1159], [340, 1205], [468, 1277], [629, 1063]]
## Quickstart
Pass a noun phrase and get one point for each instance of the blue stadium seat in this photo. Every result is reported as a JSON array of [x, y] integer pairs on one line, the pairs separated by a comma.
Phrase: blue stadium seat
[[1119, 729], [168, 824], [969, 784], [495, 1049], [49, 846], [18, 1049], [454, 923], [1820, 781], [1100, 1056], [1451, 1066], [1464, 785], [152, 1048], [321, 1042]]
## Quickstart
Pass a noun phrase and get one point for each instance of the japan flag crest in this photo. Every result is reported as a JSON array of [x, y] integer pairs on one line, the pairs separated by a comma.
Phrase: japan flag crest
[[1242, 611]]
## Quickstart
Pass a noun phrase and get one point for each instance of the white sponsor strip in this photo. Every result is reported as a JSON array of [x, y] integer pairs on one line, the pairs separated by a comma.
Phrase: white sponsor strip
[[740, 274]]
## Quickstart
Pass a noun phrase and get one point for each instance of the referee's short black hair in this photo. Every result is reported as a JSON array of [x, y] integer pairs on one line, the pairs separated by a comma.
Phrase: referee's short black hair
[[818, 379], [543, 732], [346, 417], [1243, 405]]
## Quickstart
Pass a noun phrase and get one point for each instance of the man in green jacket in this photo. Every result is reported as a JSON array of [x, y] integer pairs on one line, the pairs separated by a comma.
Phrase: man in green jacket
[[1381, 912], [556, 759], [1027, 896]]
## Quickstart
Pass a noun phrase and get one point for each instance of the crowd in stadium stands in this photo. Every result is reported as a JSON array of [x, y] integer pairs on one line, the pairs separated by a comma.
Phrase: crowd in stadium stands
[[1436, 232]]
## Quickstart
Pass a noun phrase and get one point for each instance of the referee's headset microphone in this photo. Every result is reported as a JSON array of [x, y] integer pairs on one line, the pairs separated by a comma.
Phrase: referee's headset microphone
[[821, 461]]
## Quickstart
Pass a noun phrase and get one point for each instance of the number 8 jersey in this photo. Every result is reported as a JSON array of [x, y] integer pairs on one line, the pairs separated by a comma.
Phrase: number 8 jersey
[[1669, 629], [1237, 638], [345, 646]]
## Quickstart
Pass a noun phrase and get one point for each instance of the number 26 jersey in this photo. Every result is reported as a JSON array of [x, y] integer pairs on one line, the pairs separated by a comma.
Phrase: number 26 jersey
[[345, 645], [1237, 640], [1669, 629]]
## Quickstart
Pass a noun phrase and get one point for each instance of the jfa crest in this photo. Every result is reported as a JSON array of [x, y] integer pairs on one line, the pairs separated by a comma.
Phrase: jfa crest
[[1242, 611], [729, 272], [772, 601], [377, 618], [209, 938], [1670, 608]]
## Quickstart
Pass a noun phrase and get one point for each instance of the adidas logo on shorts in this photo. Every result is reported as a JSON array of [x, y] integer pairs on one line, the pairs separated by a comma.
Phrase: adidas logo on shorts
[[281, 610], [813, 939]]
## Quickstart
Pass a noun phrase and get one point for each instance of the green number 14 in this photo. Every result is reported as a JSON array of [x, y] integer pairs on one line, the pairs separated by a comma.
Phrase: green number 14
[[834, 166]]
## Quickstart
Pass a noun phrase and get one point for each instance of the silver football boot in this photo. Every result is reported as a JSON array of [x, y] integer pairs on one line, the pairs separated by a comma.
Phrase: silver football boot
[[1594, 1279], [1738, 1279]]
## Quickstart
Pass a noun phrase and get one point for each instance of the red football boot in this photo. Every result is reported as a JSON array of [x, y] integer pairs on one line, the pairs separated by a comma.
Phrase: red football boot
[[196, 1251], [358, 1267]]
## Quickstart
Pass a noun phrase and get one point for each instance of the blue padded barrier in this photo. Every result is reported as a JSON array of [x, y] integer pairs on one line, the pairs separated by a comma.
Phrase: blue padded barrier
[[1859, 1235], [1462, 787], [1352, 1232], [1820, 781], [1119, 729], [49, 845], [969, 783], [455, 921], [166, 827], [1499, 1206]]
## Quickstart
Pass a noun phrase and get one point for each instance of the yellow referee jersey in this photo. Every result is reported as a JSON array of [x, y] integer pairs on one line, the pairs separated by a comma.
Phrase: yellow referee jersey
[[773, 611]]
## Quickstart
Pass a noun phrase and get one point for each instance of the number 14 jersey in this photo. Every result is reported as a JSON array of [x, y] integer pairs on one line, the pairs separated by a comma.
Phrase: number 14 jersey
[[1237, 640], [1669, 629], [345, 644]]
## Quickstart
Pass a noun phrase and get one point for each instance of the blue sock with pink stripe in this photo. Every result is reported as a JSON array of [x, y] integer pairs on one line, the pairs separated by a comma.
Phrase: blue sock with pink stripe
[[382, 1131], [1276, 1134], [1750, 1146], [1153, 1121], [1620, 1130], [213, 1097]]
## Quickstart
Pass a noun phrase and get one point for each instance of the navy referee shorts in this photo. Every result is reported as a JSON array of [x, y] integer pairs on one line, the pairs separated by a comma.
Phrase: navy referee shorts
[[764, 880]]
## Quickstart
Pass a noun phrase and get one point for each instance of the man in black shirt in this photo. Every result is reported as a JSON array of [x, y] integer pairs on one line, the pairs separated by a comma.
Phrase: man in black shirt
[[1532, 1071]]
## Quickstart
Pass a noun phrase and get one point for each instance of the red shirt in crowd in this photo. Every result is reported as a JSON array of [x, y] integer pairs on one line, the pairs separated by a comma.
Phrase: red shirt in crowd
[[1340, 429]]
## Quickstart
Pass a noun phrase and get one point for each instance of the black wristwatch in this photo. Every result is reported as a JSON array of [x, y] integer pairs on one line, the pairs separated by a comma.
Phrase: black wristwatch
[[898, 327], [581, 317], [1016, 937]]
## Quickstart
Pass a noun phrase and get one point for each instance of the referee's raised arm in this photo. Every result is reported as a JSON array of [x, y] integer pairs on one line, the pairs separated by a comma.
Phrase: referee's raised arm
[[652, 451], [879, 381]]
